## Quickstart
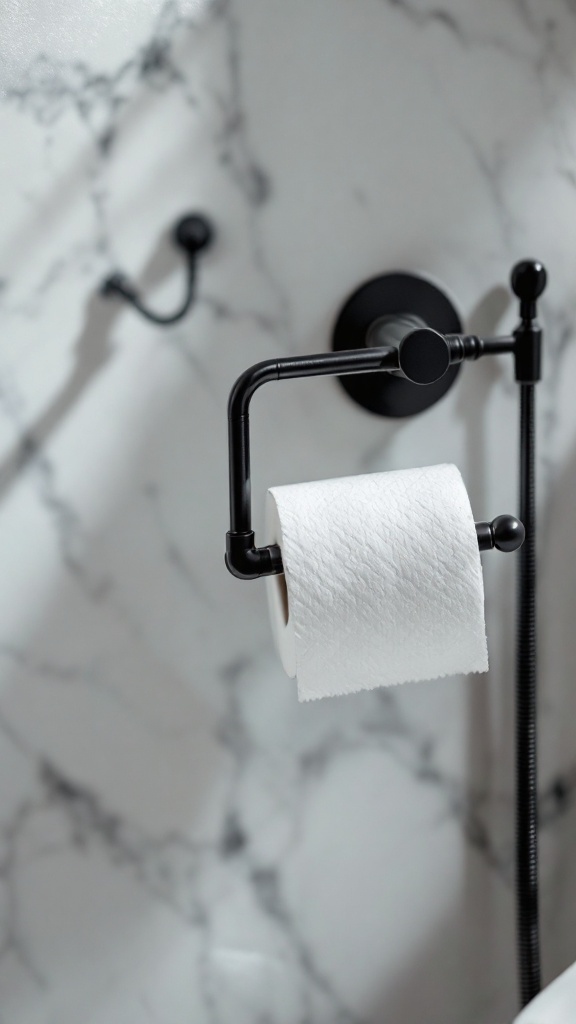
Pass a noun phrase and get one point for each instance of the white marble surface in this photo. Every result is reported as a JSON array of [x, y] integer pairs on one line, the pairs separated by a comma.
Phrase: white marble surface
[[179, 840]]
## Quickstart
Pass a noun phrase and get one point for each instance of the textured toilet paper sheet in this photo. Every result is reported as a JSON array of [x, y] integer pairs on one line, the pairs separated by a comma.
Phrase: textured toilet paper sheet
[[383, 581]]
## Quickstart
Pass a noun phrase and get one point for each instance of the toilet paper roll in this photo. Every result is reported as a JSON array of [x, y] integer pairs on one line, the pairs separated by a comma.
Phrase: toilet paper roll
[[382, 580]]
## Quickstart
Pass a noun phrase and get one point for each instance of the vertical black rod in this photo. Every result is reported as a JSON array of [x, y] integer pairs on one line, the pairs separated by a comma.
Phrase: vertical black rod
[[526, 760]]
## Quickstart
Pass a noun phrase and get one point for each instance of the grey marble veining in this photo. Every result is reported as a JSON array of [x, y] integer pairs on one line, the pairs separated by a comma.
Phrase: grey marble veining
[[179, 839]]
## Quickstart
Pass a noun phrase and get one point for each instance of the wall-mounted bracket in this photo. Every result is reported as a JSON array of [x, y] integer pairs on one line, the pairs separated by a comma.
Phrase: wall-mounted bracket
[[390, 309]]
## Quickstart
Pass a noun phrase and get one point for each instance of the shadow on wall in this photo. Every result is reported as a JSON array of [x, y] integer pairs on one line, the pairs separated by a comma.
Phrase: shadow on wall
[[476, 942], [557, 703], [117, 748], [448, 964], [160, 711], [474, 387], [92, 352]]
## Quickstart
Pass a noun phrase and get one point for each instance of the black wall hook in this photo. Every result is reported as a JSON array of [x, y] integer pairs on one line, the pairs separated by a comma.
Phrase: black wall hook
[[192, 233]]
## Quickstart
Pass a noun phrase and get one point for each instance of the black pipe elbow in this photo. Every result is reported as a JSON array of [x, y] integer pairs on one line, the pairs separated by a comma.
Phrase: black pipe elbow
[[247, 383], [247, 562]]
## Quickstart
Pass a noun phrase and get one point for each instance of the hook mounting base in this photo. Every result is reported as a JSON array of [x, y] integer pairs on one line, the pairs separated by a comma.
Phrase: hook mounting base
[[386, 296]]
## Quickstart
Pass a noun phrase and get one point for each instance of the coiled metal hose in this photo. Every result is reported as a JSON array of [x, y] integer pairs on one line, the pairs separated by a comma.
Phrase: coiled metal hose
[[526, 710]]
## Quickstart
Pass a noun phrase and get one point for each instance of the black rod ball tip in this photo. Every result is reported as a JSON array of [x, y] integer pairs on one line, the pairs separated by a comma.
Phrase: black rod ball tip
[[508, 533], [193, 232], [528, 280]]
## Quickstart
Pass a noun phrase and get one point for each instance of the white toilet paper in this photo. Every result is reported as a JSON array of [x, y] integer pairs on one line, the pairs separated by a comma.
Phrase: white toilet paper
[[382, 583], [555, 1005]]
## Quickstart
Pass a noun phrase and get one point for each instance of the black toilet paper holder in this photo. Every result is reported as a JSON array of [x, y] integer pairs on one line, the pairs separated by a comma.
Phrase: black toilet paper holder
[[397, 348], [391, 327]]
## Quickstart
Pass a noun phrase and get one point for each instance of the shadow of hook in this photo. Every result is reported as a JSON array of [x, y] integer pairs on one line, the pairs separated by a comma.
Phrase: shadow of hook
[[192, 233]]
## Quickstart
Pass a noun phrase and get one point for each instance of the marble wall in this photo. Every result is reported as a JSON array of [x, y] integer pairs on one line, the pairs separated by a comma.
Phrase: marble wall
[[180, 840]]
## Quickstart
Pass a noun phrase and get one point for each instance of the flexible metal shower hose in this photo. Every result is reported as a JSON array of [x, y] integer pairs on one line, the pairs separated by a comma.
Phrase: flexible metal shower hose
[[526, 762]]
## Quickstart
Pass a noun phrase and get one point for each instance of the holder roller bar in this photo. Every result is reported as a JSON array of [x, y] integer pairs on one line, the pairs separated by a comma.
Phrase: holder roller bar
[[422, 357]]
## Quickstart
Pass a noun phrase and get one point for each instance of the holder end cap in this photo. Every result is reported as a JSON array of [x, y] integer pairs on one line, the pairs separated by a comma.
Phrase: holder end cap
[[508, 532]]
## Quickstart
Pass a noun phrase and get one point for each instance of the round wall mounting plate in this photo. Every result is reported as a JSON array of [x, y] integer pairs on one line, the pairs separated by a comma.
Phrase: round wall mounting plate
[[385, 393]]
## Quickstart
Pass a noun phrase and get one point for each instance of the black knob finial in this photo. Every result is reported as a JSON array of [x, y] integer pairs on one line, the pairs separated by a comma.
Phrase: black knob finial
[[528, 280], [193, 232], [508, 533]]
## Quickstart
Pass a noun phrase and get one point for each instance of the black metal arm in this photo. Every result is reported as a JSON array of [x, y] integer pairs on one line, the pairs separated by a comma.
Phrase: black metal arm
[[422, 356]]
